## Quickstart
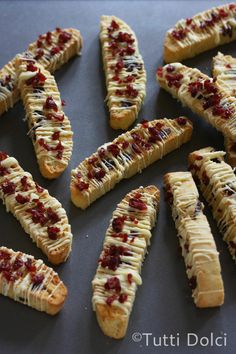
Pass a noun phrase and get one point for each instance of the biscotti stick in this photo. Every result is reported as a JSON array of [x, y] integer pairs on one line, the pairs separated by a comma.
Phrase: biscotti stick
[[196, 240], [40, 215], [119, 266], [127, 155], [124, 70]]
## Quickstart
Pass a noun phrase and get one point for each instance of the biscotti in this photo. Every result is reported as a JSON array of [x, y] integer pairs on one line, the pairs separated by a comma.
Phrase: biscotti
[[201, 32], [224, 73], [124, 70], [30, 282], [127, 155], [201, 94], [49, 127], [217, 182], [119, 266], [51, 50], [196, 240], [41, 215]]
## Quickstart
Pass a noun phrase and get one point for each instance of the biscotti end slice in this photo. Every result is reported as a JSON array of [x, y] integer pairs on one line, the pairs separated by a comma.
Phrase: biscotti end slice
[[119, 267], [49, 127], [127, 155], [51, 50], [124, 70], [202, 32], [196, 240], [41, 216], [30, 282], [201, 94]]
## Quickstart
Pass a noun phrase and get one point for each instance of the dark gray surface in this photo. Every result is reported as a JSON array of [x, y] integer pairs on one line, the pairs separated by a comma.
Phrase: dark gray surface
[[163, 304]]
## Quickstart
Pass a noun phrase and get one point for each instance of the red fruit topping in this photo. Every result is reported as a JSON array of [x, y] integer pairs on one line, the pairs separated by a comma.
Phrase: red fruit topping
[[52, 216], [18, 263], [99, 174], [136, 148], [118, 223], [21, 199], [119, 65], [63, 103], [39, 43], [195, 87], [125, 145], [123, 298], [129, 50], [50, 104], [131, 91], [59, 117], [37, 279], [125, 37], [31, 67], [113, 284], [3, 156], [53, 232], [110, 299], [8, 187], [222, 13], [42, 143], [123, 236], [113, 26], [113, 149], [129, 278], [111, 256], [181, 120], [170, 68], [179, 34], [92, 160], [212, 100], [24, 183], [37, 80], [189, 21], [160, 71], [137, 204], [39, 188], [174, 80], [82, 186], [102, 153], [224, 112], [232, 6], [228, 66], [5, 255], [49, 38], [29, 265], [58, 29], [39, 54], [3, 171], [209, 86], [55, 135], [55, 50], [64, 37], [38, 214], [144, 123]]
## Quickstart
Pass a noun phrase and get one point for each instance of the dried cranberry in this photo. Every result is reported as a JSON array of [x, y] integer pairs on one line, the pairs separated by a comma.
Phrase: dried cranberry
[[24, 183], [160, 71], [39, 188], [212, 100], [170, 68], [118, 223], [131, 91], [113, 283], [181, 120], [99, 174], [53, 232], [113, 26], [3, 156], [82, 186], [18, 263], [21, 199], [129, 278], [113, 149], [179, 34], [137, 204], [50, 104], [3, 171], [123, 298], [4, 255], [55, 135], [49, 38], [39, 54], [64, 37], [29, 265], [59, 117], [31, 67], [37, 80], [8, 187], [111, 299], [55, 50], [52, 216], [189, 21], [209, 86], [102, 153], [194, 88], [224, 112], [37, 279], [174, 80]]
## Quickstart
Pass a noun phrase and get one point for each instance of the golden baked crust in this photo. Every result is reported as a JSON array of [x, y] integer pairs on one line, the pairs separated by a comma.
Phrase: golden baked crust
[[31, 282], [124, 70], [70, 44], [224, 72], [119, 266], [41, 216], [201, 94], [196, 240], [202, 32], [217, 182], [127, 155], [49, 127]]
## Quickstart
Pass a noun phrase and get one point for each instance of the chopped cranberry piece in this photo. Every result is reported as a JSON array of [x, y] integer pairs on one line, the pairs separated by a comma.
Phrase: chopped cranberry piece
[[52, 216], [232, 6], [31, 67], [5, 255], [82, 186], [99, 174], [118, 223], [212, 100], [53, 232], [181, 120], [113, 26], [39, 43], [64, 37], [37, 80], [125, 144], [189, 21], [3, 156], [144, 123], [29, 265], [222, 13], [170, 68], [3, 171], [125, 37], [174, 80], [193, 282], [18, 263], [37, 279], [136, 148], [129, 278], [137, 204], [131, 91], [210, 87], [111, 299], [113, 149], [39, 188], [222, 111], [8, 187], [194, 88], [21, 199], [119, 65], [50, 104], [124, 236], [123, 298], [63, 103], [179, 34], [102, 153], [25, 184], [55, 50], [130, 50], [113, 283], [55, 135], [49, 38], [59, 117], [39, 54], [58, 29], [160, 71]]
